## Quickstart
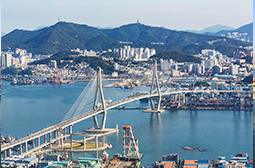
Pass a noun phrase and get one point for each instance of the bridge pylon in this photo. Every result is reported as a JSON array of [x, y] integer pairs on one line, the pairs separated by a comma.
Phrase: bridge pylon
[[99, 90], [155, 84]]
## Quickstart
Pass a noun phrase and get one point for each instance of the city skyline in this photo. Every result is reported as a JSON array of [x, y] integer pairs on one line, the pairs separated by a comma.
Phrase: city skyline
[[195, 15]]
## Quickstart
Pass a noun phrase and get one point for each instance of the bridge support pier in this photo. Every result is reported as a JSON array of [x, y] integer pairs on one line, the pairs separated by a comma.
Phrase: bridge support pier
[[25, 146], [20, 148], [61, 140], [55, 134], [64, 131], [103, 140], [50, 139], [38, 141], [212, 94], [99, 89], [96, 141], [71, 141], [10, 152], [5, 154], [70, 129], [84, 142], [45, 138], [155, 82], [33, 143], [175, 99]]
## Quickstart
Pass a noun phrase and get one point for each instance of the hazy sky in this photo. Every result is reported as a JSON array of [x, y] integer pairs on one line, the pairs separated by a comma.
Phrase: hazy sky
[[173, 14]]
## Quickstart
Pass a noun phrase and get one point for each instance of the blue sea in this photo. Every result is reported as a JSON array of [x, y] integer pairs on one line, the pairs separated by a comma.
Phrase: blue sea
[[27, 109]]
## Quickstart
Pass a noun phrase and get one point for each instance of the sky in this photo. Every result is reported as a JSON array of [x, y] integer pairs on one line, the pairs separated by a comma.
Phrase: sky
[[172, 14]]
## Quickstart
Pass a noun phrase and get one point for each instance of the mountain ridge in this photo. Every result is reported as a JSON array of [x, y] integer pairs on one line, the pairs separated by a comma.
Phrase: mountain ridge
[[212, 29], [67, 36]]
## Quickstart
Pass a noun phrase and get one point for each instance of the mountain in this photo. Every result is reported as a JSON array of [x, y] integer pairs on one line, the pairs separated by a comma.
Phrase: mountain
[[248, 28], [216, 28], [67, 36], [212, 29]]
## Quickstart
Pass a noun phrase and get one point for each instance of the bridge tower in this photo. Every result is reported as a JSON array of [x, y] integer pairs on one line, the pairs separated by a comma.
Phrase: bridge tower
[[155, 84], [100, 90]]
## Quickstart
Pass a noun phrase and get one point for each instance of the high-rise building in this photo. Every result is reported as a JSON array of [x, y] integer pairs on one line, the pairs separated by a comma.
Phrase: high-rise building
[[6, 59], [233, 69], [135, 53], [53, 64], [116, 66]]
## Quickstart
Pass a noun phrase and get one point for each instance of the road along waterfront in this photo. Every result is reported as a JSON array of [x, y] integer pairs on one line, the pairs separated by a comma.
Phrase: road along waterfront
[[27, 109]]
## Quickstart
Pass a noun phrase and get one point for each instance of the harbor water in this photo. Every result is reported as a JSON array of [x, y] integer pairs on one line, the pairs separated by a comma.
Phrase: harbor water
[[30, 108]]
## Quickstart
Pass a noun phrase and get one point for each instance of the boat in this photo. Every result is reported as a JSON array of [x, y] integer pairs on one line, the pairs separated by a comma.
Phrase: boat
[[201, 150], [14, 81], [70, 82], [188, 148], [240, 158], [105, 157]]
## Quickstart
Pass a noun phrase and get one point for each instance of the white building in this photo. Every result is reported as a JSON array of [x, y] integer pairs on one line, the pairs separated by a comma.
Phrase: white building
[[135, 53], [90, 53], [114, 74], [53, 64], [116, 66], [233, 69], [6, 59]]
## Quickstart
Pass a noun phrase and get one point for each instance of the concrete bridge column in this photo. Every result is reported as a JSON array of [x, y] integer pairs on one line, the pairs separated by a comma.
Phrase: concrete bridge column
[[5, 154], [70, 130], [38, 141], [61, 140], [84, 142], [45, 140], [179, 98], [10, 152], [103, 140], [64, 131], [174, 97], [26, 146], [212, 94], [71, 141], [60, 137], [50, 139], [55, 134], [20, 148], [33, 143], [96, 141]]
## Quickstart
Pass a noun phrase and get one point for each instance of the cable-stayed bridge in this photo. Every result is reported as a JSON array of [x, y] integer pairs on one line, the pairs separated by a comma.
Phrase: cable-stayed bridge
[[86, 107]]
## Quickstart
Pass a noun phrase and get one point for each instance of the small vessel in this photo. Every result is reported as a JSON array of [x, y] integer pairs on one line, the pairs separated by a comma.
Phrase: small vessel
[[201, 150], [188, 148], [14, 81], [105, 157], [70, 82]]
